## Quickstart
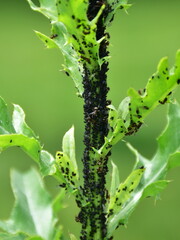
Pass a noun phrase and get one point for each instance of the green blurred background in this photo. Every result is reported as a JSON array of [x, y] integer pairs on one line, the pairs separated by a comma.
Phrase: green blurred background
[[30, 76]]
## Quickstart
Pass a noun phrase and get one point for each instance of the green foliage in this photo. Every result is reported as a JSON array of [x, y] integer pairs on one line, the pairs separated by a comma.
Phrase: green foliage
[[15, 132], [157, 91], [124, 191], [133, 109], [153, 180], [33, 216], [74, 34]]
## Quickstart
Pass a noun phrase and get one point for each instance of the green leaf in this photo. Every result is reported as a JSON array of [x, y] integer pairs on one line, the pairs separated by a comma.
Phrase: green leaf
[[60, 36], [30, 145], [174, 160], [157, 91], [114, 179], [68, 146], [33, 212], [123, 109], [124, 192], [5, 120], [19, 124], [153, 180], [47, 165], [133, 109], [49, 43], [72, 65], [155, 188], [66, 172], [58, 201], [114, 6], [16, 132], [48, 8], [74, 34]]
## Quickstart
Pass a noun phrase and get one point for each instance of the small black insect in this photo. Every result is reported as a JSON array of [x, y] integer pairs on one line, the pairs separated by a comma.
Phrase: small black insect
[[53, 36], [164, 101], [67, 74]]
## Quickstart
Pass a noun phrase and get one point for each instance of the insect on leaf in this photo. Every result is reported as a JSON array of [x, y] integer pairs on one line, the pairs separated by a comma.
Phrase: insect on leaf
[[125, 191]]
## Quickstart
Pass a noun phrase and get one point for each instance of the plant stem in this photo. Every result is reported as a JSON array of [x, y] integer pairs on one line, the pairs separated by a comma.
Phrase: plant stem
[[92, 215]]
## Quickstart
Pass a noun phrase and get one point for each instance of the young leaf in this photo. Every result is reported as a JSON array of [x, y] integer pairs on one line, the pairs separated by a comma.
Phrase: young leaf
[[124, 192], [33, 212], [66, 170], [114, 179], [5, 120], [60, 36], [47, 165], [68, 146], [19, 124], [157, 91], [123, 109], [114, 5], [49, 43], [153, 180]]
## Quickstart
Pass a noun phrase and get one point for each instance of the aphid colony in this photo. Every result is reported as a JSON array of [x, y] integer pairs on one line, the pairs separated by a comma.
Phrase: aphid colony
[[124, 191], [67, 170]]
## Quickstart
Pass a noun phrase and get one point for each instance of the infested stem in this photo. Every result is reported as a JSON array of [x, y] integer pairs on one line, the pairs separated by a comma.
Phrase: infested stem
[[92, 215]]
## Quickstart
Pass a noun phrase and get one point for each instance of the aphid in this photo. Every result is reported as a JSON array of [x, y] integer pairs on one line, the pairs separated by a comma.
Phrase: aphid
[[108, 102], [94, 112], [67, 73], [146, 107], [169, 93], [137, 111], [86, 59], [164, 101], [74, 36], [53, 36], [86, 32]]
